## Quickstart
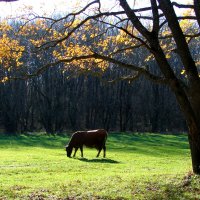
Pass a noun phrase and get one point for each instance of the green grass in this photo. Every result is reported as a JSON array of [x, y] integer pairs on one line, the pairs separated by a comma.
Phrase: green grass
[[138, 166]]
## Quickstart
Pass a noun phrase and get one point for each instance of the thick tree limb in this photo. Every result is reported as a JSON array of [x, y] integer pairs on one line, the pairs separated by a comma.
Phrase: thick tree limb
[[182, 5], [140, 70], [134, 19], [197, 10], [182, 46], [156, 26]]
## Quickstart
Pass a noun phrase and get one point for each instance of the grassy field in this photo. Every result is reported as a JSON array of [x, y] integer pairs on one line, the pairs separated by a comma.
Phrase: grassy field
[[138, 166]]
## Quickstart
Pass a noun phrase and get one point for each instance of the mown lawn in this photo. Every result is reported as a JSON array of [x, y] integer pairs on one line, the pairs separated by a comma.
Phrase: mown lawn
[[138, 166]]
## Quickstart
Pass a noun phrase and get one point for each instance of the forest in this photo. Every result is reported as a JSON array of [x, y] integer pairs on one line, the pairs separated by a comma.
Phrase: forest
[[61, 98]]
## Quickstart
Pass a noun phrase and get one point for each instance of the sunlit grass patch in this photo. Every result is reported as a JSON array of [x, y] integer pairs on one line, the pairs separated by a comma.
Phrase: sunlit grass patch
[[138, 166]]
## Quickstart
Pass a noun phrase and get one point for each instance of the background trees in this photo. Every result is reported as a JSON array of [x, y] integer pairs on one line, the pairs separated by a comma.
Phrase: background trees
[[59, 100], [64, 98], [54, 103]]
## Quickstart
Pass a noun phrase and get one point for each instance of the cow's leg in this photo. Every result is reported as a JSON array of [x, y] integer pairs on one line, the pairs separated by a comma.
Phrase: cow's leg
[[100, 148], [104, 151], [81, 148], [75, 151]]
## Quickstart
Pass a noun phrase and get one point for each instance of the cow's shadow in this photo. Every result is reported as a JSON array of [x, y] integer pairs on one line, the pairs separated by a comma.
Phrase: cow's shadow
[[99, 160]]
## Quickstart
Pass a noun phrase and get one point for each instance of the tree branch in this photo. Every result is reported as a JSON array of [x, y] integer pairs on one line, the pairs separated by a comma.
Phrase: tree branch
[[134, 19], [141, 70], [126, 78], [182, 5], [182, 46], [156, 26], [197, 10]]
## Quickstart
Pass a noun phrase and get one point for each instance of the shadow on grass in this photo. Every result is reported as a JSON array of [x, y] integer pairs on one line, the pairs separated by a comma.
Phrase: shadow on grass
[[44, 141], [148, 144], [96, 160]]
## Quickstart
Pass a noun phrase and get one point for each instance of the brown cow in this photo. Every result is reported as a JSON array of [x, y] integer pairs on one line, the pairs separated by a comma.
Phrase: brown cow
[[94, 139]]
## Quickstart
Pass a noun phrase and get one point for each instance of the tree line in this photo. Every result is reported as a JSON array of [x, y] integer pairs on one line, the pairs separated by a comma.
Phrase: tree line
[[62, 99], [54, 103]]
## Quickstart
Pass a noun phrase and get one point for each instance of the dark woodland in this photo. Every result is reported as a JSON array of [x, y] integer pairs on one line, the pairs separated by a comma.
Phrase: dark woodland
[[55, 102]]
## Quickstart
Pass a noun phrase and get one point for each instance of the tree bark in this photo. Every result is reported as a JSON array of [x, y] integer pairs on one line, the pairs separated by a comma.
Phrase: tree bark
[[193, 124], [194, 141]]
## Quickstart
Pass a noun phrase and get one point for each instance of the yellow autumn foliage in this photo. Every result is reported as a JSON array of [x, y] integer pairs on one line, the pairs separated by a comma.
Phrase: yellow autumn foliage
[[10, 51]]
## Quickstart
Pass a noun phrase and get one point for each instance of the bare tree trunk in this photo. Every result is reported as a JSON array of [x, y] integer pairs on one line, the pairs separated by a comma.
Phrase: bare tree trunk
[[193, 123], [194, 141]]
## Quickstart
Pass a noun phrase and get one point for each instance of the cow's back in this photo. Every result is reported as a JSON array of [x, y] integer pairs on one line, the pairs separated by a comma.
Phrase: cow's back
[[95, 138], [77, 138]]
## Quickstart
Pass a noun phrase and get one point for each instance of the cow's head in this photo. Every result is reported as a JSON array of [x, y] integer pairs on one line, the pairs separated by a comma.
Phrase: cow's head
[[68, 151]]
